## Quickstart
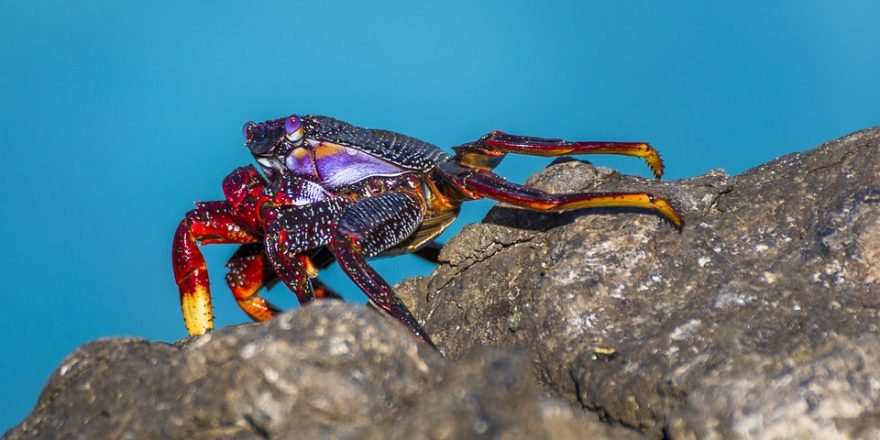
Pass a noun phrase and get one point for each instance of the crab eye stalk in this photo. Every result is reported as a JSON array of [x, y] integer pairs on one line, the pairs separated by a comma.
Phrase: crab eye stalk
[[248, 130], [293, 129]]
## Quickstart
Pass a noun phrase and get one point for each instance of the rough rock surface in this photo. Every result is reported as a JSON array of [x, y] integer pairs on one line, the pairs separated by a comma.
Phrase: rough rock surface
[[330, 370], [759, 320]]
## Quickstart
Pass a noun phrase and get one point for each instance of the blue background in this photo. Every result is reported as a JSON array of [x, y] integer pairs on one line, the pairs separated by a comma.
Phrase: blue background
[[116, 117]]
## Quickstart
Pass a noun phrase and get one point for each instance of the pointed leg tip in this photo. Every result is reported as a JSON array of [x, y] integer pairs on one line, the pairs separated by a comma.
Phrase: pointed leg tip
[[199, 328], [672, 215], [678, 223], [652, 157]]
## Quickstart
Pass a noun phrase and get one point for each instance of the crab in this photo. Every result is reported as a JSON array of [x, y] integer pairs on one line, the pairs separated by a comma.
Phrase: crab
[[331, 191]]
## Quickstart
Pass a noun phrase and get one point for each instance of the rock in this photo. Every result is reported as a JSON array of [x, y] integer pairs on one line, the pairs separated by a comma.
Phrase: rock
[[330, 370], [492, 394], [830, 394], [759, 319]]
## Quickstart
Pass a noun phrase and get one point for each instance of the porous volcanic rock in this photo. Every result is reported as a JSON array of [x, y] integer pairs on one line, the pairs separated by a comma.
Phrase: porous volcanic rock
[[758, 320], [330, 370]]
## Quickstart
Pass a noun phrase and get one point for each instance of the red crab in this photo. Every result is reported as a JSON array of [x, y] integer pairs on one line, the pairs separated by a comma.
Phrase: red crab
[[333, 191]]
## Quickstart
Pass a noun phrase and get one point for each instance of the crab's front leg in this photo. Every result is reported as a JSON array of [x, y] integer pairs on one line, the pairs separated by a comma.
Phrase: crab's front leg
[[368, 227], [210, 222], [479, 183], [292, 234]]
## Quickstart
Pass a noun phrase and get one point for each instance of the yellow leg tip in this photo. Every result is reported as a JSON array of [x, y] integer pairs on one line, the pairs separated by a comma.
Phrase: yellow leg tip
[[197, 313], [668, 212], [652, 157]]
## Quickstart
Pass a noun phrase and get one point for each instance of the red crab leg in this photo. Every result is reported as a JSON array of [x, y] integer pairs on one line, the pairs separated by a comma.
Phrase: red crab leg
[[483, 183], [248, 272], [209, 223], [324, 258], [368, 227], [488, 151], [430, 253]]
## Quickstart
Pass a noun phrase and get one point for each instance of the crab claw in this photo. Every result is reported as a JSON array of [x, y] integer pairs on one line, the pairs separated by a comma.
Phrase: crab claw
[[209, 223], [191, 275]]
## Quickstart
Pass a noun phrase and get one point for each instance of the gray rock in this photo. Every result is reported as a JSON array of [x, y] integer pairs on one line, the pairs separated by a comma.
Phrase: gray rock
[[330, 370], [759, 319]]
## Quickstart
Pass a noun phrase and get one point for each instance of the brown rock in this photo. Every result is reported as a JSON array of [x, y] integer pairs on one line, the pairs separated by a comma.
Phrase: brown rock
[[330, 370]]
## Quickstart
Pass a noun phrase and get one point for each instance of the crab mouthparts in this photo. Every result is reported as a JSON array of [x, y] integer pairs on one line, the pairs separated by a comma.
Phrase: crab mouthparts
[[268, 162]]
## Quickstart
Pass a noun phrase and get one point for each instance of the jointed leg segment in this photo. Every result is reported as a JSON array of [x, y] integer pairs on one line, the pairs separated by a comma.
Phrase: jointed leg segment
[[365, 229], [473, 177], [210, 222], [487, 184], [249, 271], [292, 233], [488, 151]]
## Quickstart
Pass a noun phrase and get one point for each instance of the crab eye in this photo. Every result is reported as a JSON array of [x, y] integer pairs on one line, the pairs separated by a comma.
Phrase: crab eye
[[248, 130], [293, 129]]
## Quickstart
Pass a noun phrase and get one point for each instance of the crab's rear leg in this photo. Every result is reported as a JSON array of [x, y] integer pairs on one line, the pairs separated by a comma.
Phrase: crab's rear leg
[[248, 273], [323, 258], [209, 223], [368, 227], [487, 152], [483, 183]]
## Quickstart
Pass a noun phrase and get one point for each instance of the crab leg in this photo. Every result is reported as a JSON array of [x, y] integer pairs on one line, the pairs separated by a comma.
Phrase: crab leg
[[209, 223], [291, 233], [365, 229], [488, 151], [324, 258], [483, 183], [248, 272], [430, 253], [293, 270]]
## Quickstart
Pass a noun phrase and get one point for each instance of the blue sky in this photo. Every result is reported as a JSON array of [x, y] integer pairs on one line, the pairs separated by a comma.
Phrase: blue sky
[[116, 116]]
